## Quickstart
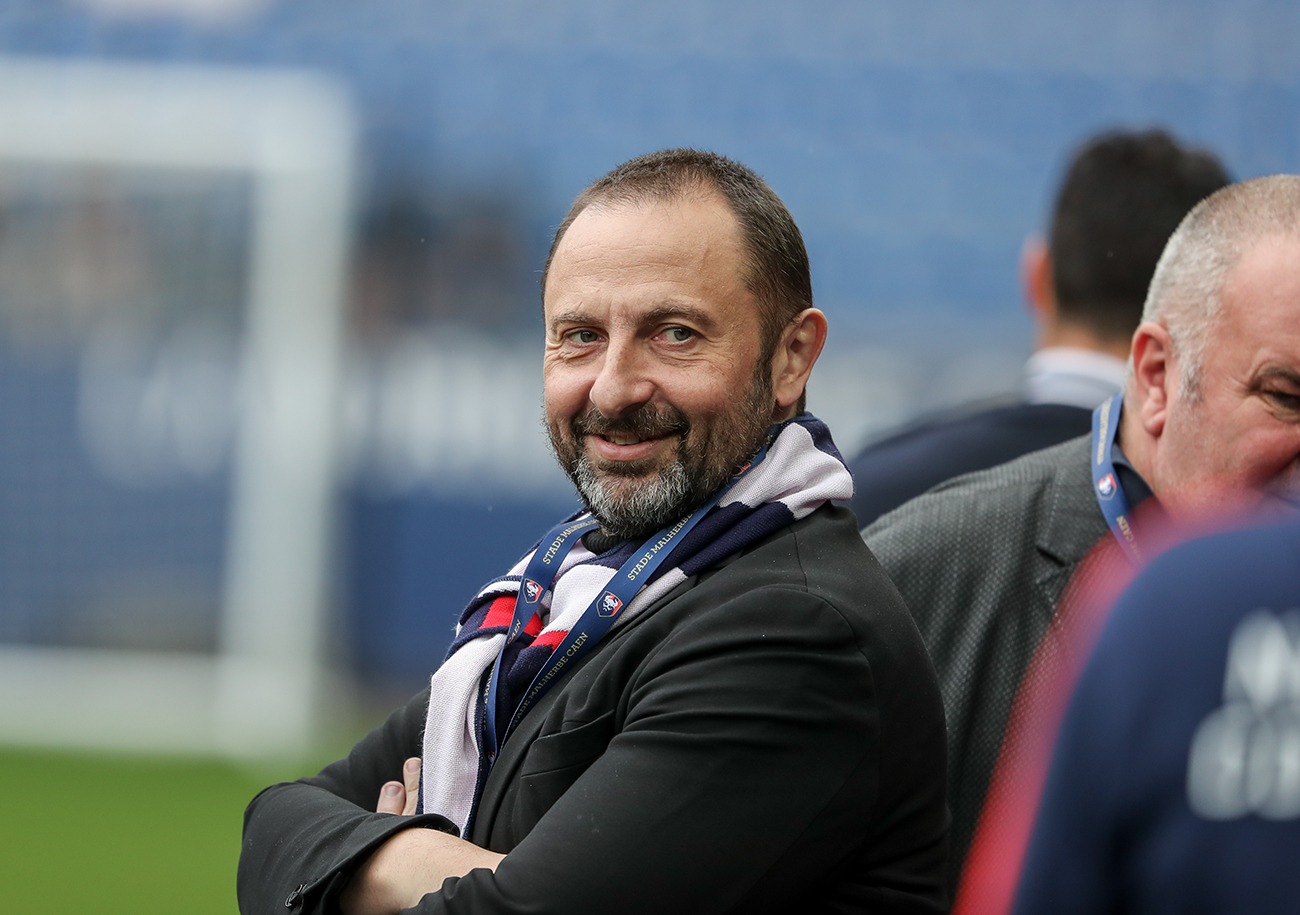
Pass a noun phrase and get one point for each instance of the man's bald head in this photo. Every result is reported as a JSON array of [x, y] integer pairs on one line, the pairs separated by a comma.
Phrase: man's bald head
[[1186, 293]]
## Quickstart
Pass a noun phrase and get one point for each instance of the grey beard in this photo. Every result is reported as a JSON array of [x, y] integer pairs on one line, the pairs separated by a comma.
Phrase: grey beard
[[640, 511], [628, 507]]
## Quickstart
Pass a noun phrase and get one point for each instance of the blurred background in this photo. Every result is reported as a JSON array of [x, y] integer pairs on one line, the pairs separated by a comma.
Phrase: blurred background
[[270, 324]]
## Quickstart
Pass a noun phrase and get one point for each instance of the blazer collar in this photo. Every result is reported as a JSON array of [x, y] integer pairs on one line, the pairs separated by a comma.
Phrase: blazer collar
[[511, 755], [1074, 522]]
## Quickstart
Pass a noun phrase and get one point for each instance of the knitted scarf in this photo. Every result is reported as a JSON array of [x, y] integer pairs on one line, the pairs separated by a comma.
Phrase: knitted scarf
[[801, 471]]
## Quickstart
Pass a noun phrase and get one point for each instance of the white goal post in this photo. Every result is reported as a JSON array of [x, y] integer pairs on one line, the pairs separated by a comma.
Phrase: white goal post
[[291, 135]]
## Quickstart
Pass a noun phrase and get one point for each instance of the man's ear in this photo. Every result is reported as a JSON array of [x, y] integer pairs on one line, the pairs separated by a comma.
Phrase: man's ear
[[1037, 284], [800, 345], [1153, 376]]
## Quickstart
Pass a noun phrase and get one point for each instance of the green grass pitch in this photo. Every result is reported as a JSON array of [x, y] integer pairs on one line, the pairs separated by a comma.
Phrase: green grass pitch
[[123, 834]]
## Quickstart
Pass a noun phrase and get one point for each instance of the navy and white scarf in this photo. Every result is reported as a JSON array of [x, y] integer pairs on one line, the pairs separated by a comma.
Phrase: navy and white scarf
[[802, 471]]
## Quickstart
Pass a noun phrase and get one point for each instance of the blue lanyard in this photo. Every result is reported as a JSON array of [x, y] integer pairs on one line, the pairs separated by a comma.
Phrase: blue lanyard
[[540, 575], [1105, 481]]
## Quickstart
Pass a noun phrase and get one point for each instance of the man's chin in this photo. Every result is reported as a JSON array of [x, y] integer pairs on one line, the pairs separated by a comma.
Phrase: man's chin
[[640, 470], [633, 506], [620, 489], [617, 521]]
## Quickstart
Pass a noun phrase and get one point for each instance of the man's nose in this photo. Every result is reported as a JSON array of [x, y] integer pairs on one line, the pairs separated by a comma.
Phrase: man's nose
[[623, 383]]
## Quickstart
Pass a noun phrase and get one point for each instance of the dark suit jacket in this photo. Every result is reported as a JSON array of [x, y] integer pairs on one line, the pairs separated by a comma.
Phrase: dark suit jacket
[[766, 738], [982, 561], [889, 472]]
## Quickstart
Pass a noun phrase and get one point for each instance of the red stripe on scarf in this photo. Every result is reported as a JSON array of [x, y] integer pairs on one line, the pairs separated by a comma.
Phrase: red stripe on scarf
[[500, 613], [552, 638]]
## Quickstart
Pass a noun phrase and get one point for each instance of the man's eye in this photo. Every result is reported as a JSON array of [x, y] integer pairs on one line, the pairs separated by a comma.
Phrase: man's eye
[[679, 334], [1285, 399], [583, 336]]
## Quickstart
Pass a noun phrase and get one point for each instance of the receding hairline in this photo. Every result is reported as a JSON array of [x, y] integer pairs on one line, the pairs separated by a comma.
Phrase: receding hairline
[[610, 198], [688, 184], [616, 203], [622, 199]]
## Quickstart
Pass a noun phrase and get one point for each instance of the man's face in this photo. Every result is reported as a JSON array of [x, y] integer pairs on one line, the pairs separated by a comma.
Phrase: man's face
[[1238, 446], [654, 391]]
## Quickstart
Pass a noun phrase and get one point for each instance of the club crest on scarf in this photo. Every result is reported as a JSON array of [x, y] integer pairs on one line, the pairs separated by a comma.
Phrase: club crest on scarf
[[532, 591]]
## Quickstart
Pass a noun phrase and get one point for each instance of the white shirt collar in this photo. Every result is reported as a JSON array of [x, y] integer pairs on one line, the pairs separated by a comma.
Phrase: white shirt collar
[[1074, 376]]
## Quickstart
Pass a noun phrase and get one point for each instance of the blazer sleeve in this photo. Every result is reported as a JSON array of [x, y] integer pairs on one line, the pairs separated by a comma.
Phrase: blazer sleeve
[[302, 839]]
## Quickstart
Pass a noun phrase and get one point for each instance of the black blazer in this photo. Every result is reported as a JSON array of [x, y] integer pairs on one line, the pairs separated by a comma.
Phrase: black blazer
[[767, 737]]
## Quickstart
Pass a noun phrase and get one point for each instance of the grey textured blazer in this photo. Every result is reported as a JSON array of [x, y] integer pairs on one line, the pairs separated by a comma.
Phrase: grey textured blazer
[[981, 561]]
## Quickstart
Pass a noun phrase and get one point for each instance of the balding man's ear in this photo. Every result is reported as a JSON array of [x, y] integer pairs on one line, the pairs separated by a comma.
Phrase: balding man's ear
[[800, 345], [1153, 376]]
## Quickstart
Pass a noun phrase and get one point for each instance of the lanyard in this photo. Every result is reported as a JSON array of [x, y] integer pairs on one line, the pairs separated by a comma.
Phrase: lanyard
[[540, 575], [1105, 481]]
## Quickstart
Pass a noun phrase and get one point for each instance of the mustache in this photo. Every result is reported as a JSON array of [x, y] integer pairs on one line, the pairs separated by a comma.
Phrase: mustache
[[646, 422]]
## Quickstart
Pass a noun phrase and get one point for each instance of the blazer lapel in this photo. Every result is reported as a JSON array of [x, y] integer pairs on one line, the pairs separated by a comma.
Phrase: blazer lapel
[[512, 754], [1073, 524]]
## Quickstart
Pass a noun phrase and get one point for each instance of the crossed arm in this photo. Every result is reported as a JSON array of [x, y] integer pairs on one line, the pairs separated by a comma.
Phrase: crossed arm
[[411, 863], [742, 777]]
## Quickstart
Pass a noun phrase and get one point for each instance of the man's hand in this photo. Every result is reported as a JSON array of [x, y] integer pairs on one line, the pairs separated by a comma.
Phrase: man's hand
[[411, 863], [402, 797]]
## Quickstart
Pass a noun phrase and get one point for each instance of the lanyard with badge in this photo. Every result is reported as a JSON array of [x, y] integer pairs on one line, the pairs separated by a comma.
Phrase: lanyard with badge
[[540, 575], [1105, 481]]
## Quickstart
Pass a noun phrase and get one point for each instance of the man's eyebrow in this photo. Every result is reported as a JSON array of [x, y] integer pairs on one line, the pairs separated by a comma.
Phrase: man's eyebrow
[[569, 317], [657, 314], [1271, 372], [679, 310]]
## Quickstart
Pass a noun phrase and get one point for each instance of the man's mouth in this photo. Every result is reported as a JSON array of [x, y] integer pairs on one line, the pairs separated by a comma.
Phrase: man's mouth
[[644, 427], [622, 448]]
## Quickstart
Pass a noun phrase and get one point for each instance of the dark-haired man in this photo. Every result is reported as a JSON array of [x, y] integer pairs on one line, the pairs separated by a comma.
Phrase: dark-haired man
[[700, 695], [1122, 197], [1208, 423]]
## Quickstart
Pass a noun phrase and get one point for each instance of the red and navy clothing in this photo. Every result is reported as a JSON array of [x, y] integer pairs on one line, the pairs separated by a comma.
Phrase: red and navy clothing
[[1175, 783]]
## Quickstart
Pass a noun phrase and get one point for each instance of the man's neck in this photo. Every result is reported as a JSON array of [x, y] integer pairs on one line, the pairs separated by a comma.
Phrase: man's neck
[[599, 542], [1073, 376], [1062, 333]]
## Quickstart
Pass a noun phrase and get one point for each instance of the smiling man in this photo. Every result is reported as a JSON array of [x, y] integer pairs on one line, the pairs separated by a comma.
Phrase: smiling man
[[1208, 426], [651, 298], [701, 694]]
